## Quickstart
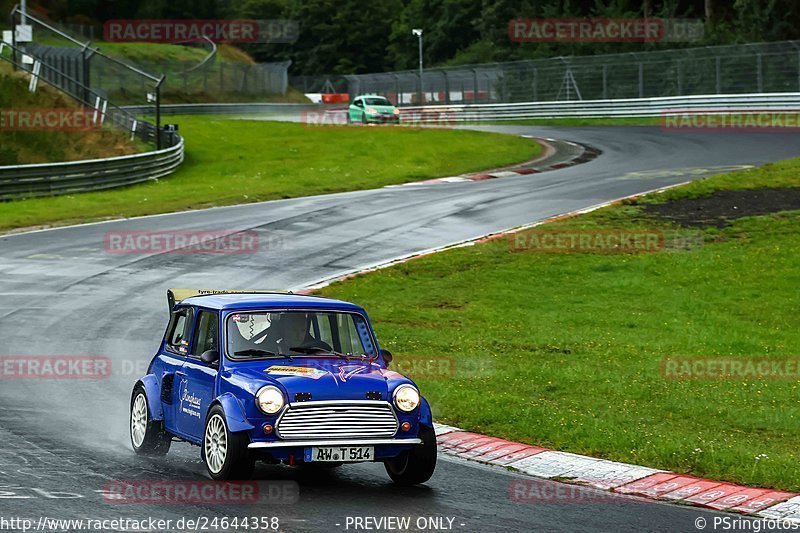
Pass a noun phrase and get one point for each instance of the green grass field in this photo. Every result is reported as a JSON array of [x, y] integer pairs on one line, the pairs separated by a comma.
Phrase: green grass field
[[241, 161], [168, 53], [568, 347]]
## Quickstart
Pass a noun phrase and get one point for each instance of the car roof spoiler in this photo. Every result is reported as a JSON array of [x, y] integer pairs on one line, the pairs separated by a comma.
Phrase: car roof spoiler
[[175, 296]]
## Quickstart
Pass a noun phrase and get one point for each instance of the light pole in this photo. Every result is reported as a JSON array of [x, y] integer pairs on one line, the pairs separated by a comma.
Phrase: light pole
[[418, 33]]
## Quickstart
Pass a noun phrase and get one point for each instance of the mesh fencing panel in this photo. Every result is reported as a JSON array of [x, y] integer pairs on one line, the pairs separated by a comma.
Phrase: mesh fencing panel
[[733, 69]]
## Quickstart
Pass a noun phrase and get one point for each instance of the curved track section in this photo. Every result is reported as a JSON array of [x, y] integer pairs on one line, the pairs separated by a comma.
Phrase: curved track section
[[62, 294]]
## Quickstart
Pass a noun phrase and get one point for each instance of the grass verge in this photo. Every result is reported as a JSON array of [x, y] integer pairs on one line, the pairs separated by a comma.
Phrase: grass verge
[[47, 146], [166, 53], [220, 80], [569, 347], [241, 161], [179, 96]]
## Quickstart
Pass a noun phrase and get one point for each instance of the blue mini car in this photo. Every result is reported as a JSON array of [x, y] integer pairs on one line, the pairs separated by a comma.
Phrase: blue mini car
[[282, 378]]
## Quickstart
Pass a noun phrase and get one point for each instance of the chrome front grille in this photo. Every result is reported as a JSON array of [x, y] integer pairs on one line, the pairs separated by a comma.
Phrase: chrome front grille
[[337, 420]]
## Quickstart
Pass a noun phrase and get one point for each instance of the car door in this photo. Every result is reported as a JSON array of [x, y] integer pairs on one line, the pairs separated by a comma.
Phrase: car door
[[354, 111], [172, 358], [360, 114], [198, 380]]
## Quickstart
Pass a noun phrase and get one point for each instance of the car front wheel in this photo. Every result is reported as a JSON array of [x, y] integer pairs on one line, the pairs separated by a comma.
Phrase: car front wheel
[[225, 453], [147, 436], [416, 465]]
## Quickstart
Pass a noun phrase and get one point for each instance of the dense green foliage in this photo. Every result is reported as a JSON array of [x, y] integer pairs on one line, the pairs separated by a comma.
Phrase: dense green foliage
[[352, 36]]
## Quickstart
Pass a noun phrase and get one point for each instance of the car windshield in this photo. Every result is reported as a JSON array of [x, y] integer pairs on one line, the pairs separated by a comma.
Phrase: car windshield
[[295, 333], [377, 100]]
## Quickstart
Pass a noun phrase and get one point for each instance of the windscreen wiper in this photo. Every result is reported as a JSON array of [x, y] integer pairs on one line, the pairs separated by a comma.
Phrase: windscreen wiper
[[324, 351], [256, 353], [316, 350]]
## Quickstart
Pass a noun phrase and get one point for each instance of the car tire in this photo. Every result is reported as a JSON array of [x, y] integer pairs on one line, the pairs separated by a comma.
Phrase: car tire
[[416, 465], [364, 118], [147, 436], [225, 453]]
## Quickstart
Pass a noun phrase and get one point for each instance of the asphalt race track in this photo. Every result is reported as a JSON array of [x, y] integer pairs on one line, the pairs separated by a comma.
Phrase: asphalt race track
[[62, 441]]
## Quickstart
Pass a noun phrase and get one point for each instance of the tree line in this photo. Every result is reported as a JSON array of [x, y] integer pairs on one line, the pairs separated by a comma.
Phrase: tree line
[[356, 36]]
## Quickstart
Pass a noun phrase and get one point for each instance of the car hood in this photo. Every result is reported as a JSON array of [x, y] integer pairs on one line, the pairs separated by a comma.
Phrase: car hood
[[382, 108], [323, 379]]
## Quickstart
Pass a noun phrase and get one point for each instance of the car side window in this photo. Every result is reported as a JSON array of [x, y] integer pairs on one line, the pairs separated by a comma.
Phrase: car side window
[[351, 342], [339, 331], [359, 103], [207, 334], [179, 331], [325, 331]]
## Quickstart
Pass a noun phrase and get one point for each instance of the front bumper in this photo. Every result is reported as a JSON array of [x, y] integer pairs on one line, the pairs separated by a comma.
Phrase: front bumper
[[349, 442], [293, 452], [384, 119]]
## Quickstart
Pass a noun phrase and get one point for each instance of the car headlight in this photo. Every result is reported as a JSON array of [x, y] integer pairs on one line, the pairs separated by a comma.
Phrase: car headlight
[[396, 111], [406, 398], [371, 110], [269, 400]]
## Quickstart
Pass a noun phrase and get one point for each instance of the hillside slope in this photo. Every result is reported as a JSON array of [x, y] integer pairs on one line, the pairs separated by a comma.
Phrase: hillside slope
[[49, 145]]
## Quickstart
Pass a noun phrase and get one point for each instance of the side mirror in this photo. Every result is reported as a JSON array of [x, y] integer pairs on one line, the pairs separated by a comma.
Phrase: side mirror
[[210, 357], [387, 356]]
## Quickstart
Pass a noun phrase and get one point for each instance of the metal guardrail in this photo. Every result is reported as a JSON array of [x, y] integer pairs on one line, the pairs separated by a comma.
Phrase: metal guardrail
[[254, 108], [621, 108], [625, 108], [72, 77], [30, 181]]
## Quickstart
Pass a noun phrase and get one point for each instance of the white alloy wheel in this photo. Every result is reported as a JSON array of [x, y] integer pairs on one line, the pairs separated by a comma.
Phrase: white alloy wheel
[[139, 420], [216, 444]]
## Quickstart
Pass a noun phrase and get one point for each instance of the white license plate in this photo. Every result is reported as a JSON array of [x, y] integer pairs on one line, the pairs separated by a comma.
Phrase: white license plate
[[340, 454]]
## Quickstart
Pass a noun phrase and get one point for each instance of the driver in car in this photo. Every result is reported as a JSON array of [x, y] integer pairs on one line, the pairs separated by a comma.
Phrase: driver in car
[[277, 333], [292, 332]]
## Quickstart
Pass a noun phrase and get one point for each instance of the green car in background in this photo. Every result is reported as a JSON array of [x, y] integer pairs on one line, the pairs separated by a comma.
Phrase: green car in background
[[372, 110]]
